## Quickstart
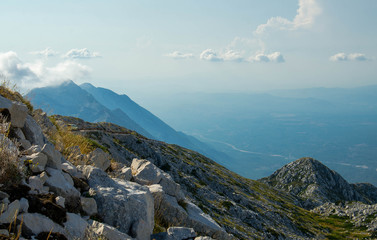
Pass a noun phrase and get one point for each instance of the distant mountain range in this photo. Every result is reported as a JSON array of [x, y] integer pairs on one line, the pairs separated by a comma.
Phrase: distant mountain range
[[97, 104]]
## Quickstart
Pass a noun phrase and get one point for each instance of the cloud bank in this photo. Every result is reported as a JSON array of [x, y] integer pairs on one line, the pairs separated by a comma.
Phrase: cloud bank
[[81, 53], [30, 75], [343, 57], [307, 11]]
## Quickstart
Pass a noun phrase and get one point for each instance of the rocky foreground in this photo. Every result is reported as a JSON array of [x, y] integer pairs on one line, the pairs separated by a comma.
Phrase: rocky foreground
[[77, 180]]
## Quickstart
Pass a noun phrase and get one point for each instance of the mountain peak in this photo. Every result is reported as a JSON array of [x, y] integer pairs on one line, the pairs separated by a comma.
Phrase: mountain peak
[[313, 182]]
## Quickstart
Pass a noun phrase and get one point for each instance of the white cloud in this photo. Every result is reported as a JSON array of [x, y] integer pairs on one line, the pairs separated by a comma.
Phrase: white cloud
[[81, 53], [210, 55], [48, 52], [234, 56], [349, 57], [273, 57], [179, 55], [306, 13], [30, 75]]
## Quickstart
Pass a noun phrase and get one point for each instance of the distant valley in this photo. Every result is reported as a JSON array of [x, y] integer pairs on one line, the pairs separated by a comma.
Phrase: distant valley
[[263, 131]]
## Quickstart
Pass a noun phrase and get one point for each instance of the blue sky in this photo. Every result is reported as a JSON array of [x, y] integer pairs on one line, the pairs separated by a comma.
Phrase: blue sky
[[149, 47]]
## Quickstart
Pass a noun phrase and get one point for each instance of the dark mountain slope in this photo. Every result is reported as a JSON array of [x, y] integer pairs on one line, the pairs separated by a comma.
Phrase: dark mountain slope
[[69, 99]]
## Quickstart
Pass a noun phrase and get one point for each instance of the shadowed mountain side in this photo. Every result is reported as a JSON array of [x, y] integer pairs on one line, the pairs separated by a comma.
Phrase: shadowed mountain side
[[69, 99]]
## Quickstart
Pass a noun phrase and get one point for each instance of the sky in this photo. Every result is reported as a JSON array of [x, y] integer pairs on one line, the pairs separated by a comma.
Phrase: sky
[[143, 48]]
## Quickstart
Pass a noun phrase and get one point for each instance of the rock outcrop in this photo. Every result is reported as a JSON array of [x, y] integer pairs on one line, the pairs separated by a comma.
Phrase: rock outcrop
[[313, 182]]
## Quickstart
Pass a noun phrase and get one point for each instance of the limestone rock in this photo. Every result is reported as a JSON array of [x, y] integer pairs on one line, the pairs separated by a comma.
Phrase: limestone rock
[[181, 233], [37, 223], [53, 156], [18, 111], [24, 205], [107, 231], [35, 183], [75, 226], [99, 159], [11, 213], [125, 174], [33, 132], [144, 172], [58, 184], [38, 162], [126, 205], [89, 206]]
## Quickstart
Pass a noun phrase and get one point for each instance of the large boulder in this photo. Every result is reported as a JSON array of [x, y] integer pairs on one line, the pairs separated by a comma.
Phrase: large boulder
[[54, 157], [33, 132], [146, 173], [37, 223], [18, 111], [11, 212], [75, 226], [170, 212], [127, 205], [37, 162], [98, 158], [58, 183]]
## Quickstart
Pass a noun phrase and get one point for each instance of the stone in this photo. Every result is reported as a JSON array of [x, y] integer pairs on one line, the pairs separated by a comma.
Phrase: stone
[[145, 172], [33, 131], [35, 183], [32, 149], [37, 162], [170, 187], [60, 201], [89, 206], [68, 178], [125, 174], [75, 226], [37, 223], [71, 169], [107, 231], [19, 134], [53, 156], [98, 158], [126, 205], [18, 111], [181, 233], [11, 213], [24, 205], [59, 184], [25, 144]]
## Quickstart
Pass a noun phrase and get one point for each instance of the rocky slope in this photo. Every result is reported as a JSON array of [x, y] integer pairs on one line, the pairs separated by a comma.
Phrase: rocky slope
[[102, 181], [316, 184]]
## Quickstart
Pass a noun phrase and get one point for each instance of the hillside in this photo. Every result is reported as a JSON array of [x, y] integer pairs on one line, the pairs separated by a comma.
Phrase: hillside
[[100, 180]]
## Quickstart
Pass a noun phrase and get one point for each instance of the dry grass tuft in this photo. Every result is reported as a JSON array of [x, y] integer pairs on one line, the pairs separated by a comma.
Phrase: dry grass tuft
[[8, 90]]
